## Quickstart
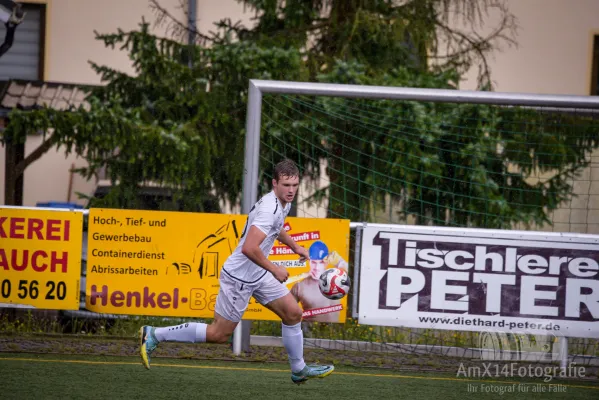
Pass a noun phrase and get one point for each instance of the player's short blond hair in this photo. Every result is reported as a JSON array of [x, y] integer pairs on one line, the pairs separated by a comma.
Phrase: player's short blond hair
[[285, 168]]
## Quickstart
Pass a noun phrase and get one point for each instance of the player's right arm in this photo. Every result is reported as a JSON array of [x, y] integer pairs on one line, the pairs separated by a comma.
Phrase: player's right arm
[[251, 249]]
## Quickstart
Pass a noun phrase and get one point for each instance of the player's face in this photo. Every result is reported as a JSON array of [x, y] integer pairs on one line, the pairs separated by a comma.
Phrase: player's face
[[317, 267], [286, 188]]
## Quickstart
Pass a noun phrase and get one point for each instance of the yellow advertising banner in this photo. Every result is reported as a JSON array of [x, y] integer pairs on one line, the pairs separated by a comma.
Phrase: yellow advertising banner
[[40, 258], [168, 263]]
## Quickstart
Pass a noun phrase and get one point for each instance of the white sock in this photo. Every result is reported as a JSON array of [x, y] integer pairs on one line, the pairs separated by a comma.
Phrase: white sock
[[293, 340], [193, 332]]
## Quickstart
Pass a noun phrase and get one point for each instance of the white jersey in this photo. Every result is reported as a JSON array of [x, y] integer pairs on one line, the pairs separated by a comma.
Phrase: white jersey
[[268, 215]]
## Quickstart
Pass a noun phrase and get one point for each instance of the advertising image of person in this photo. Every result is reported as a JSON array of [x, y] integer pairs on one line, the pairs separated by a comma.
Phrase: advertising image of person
[[307, 291]]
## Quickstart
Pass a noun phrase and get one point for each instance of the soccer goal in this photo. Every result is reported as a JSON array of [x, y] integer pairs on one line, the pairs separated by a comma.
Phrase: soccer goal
[[452, 159]]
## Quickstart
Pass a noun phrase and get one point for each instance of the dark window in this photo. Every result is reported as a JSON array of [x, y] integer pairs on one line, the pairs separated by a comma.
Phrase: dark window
[[595, 67], [25, 59]]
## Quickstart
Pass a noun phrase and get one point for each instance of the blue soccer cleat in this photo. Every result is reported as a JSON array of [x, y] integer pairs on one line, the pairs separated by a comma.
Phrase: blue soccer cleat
[[311, 371], [147, 344]]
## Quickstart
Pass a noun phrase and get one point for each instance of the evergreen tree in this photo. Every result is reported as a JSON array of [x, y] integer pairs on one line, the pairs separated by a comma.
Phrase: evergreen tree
[[180, 119]]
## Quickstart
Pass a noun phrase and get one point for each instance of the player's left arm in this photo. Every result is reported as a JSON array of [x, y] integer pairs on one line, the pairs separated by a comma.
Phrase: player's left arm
[[292, 244]]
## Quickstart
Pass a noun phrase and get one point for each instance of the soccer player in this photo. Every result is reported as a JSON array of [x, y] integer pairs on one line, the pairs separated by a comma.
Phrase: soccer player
[[248, 272]]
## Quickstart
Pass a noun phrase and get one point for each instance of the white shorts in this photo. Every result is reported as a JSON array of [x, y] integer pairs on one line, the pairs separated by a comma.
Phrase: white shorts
[[234, 296]]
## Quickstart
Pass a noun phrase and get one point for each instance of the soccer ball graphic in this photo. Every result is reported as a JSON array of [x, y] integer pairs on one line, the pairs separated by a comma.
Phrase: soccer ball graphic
[[334, 283]]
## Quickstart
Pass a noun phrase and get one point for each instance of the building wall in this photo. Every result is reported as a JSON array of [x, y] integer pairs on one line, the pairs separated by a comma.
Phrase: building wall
[[554, 52], [70, 44]]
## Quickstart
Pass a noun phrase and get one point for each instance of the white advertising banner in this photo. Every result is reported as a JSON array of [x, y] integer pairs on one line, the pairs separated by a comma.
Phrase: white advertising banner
[[480, 280]]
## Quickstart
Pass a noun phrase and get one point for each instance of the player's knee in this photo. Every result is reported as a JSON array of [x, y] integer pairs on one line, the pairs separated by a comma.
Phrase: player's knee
[[216, 334], [294, 316], [223, 338]]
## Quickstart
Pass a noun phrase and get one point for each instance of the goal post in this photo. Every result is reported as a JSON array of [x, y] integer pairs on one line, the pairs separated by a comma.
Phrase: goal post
[[258, 88]]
